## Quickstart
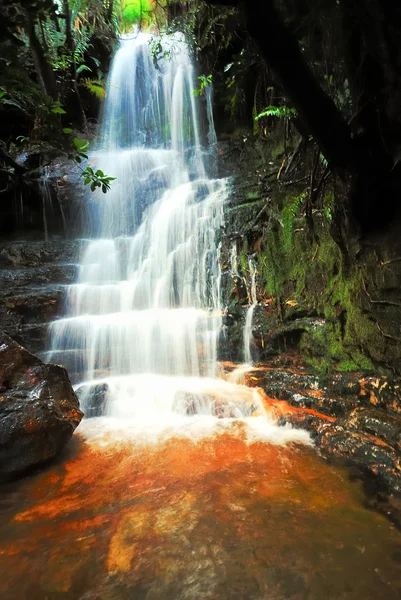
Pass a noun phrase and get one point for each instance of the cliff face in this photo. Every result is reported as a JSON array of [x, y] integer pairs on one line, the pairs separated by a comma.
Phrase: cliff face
[[320, 289]]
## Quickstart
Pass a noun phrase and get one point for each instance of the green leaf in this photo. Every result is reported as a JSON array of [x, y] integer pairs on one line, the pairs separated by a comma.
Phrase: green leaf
[[83, 68], [67, 130], [283, 112], [57, 110], [99, 173], [80, 145], [93, 186]]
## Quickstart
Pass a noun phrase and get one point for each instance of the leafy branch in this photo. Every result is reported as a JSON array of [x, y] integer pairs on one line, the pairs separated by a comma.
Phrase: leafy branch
[[97, 179], [205, 80]]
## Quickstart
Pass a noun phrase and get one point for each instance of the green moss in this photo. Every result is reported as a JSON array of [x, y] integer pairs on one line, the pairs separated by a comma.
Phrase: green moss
[[321, 366], [288, 214], [243, 260], [274, 264], [278, 150], [309, 272]]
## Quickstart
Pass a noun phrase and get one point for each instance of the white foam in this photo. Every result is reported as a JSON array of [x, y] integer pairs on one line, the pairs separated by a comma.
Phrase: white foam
[[109, 431]]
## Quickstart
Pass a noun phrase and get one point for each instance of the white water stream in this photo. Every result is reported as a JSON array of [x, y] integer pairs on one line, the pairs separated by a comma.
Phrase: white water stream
[[253, 300], [144, 317]]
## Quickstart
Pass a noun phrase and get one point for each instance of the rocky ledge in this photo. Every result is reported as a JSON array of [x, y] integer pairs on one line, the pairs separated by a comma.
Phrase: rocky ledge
[[39, 410], [350, 416]]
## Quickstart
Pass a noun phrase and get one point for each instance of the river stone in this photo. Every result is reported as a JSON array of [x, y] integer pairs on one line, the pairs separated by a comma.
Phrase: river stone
[[38, 409]]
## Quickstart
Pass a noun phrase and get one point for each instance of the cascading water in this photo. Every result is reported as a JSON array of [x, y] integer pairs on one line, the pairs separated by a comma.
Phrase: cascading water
[[144, 317], [253, 300], [141, 332]]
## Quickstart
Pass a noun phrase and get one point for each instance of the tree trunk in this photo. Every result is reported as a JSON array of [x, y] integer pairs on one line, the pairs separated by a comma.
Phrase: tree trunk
[[45, 73], [362, 158], [69, 41]]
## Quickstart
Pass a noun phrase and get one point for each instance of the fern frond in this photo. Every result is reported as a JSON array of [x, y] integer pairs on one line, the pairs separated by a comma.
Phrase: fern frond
[[282, 112], [94, 86], [288, 215]]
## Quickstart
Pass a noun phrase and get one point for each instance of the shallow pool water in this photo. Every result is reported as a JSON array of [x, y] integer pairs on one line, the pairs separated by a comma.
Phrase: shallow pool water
[[222, 516]]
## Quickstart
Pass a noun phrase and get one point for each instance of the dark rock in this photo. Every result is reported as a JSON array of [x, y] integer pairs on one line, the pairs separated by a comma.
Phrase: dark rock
[[375, 422], [93, 399], [382, 392], [34, 159], [38, 275], [38, 409], [37, 253], [365, 450], [303, 390], [33, 304]]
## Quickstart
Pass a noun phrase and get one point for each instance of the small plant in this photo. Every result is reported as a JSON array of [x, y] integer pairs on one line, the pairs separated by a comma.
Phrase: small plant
[[57, 109], [97, 179], [80, 149], [205, 80], [282, 112], [157, 51], [21, 139], [288, 215], [95, 86]]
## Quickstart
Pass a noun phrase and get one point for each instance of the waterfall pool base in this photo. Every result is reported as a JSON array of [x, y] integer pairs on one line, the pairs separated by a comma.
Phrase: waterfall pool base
[[220, 516]]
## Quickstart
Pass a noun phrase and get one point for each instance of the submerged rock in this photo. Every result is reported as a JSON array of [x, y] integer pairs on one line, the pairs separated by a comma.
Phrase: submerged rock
[[38, 409]]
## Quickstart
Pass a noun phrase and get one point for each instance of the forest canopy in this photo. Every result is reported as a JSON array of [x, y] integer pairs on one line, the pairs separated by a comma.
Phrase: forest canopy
[[333, 68]]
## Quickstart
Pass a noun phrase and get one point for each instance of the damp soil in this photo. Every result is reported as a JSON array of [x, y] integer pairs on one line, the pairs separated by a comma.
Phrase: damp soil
[[218, 517]]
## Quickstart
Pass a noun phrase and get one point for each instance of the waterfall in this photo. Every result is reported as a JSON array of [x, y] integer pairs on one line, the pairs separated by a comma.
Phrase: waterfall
[[143, 318], [253, 300], [234, 260], [52, 209]]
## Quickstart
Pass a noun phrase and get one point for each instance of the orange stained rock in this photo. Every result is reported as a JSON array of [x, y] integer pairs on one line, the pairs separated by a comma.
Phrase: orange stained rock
[[278, 408]]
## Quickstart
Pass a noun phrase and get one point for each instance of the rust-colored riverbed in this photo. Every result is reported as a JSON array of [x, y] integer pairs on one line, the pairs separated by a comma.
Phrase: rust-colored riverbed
[[221, 517]]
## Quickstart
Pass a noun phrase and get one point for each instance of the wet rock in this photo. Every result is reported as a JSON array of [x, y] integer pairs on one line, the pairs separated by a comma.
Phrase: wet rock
[[36, 276], [93, 399], [37, 253], [283, 336], [304, 419], [376, 422], [32, 336], [33, 304], [382, 392], [365, 450], [304, 390], [38, 409], [34, 159]]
